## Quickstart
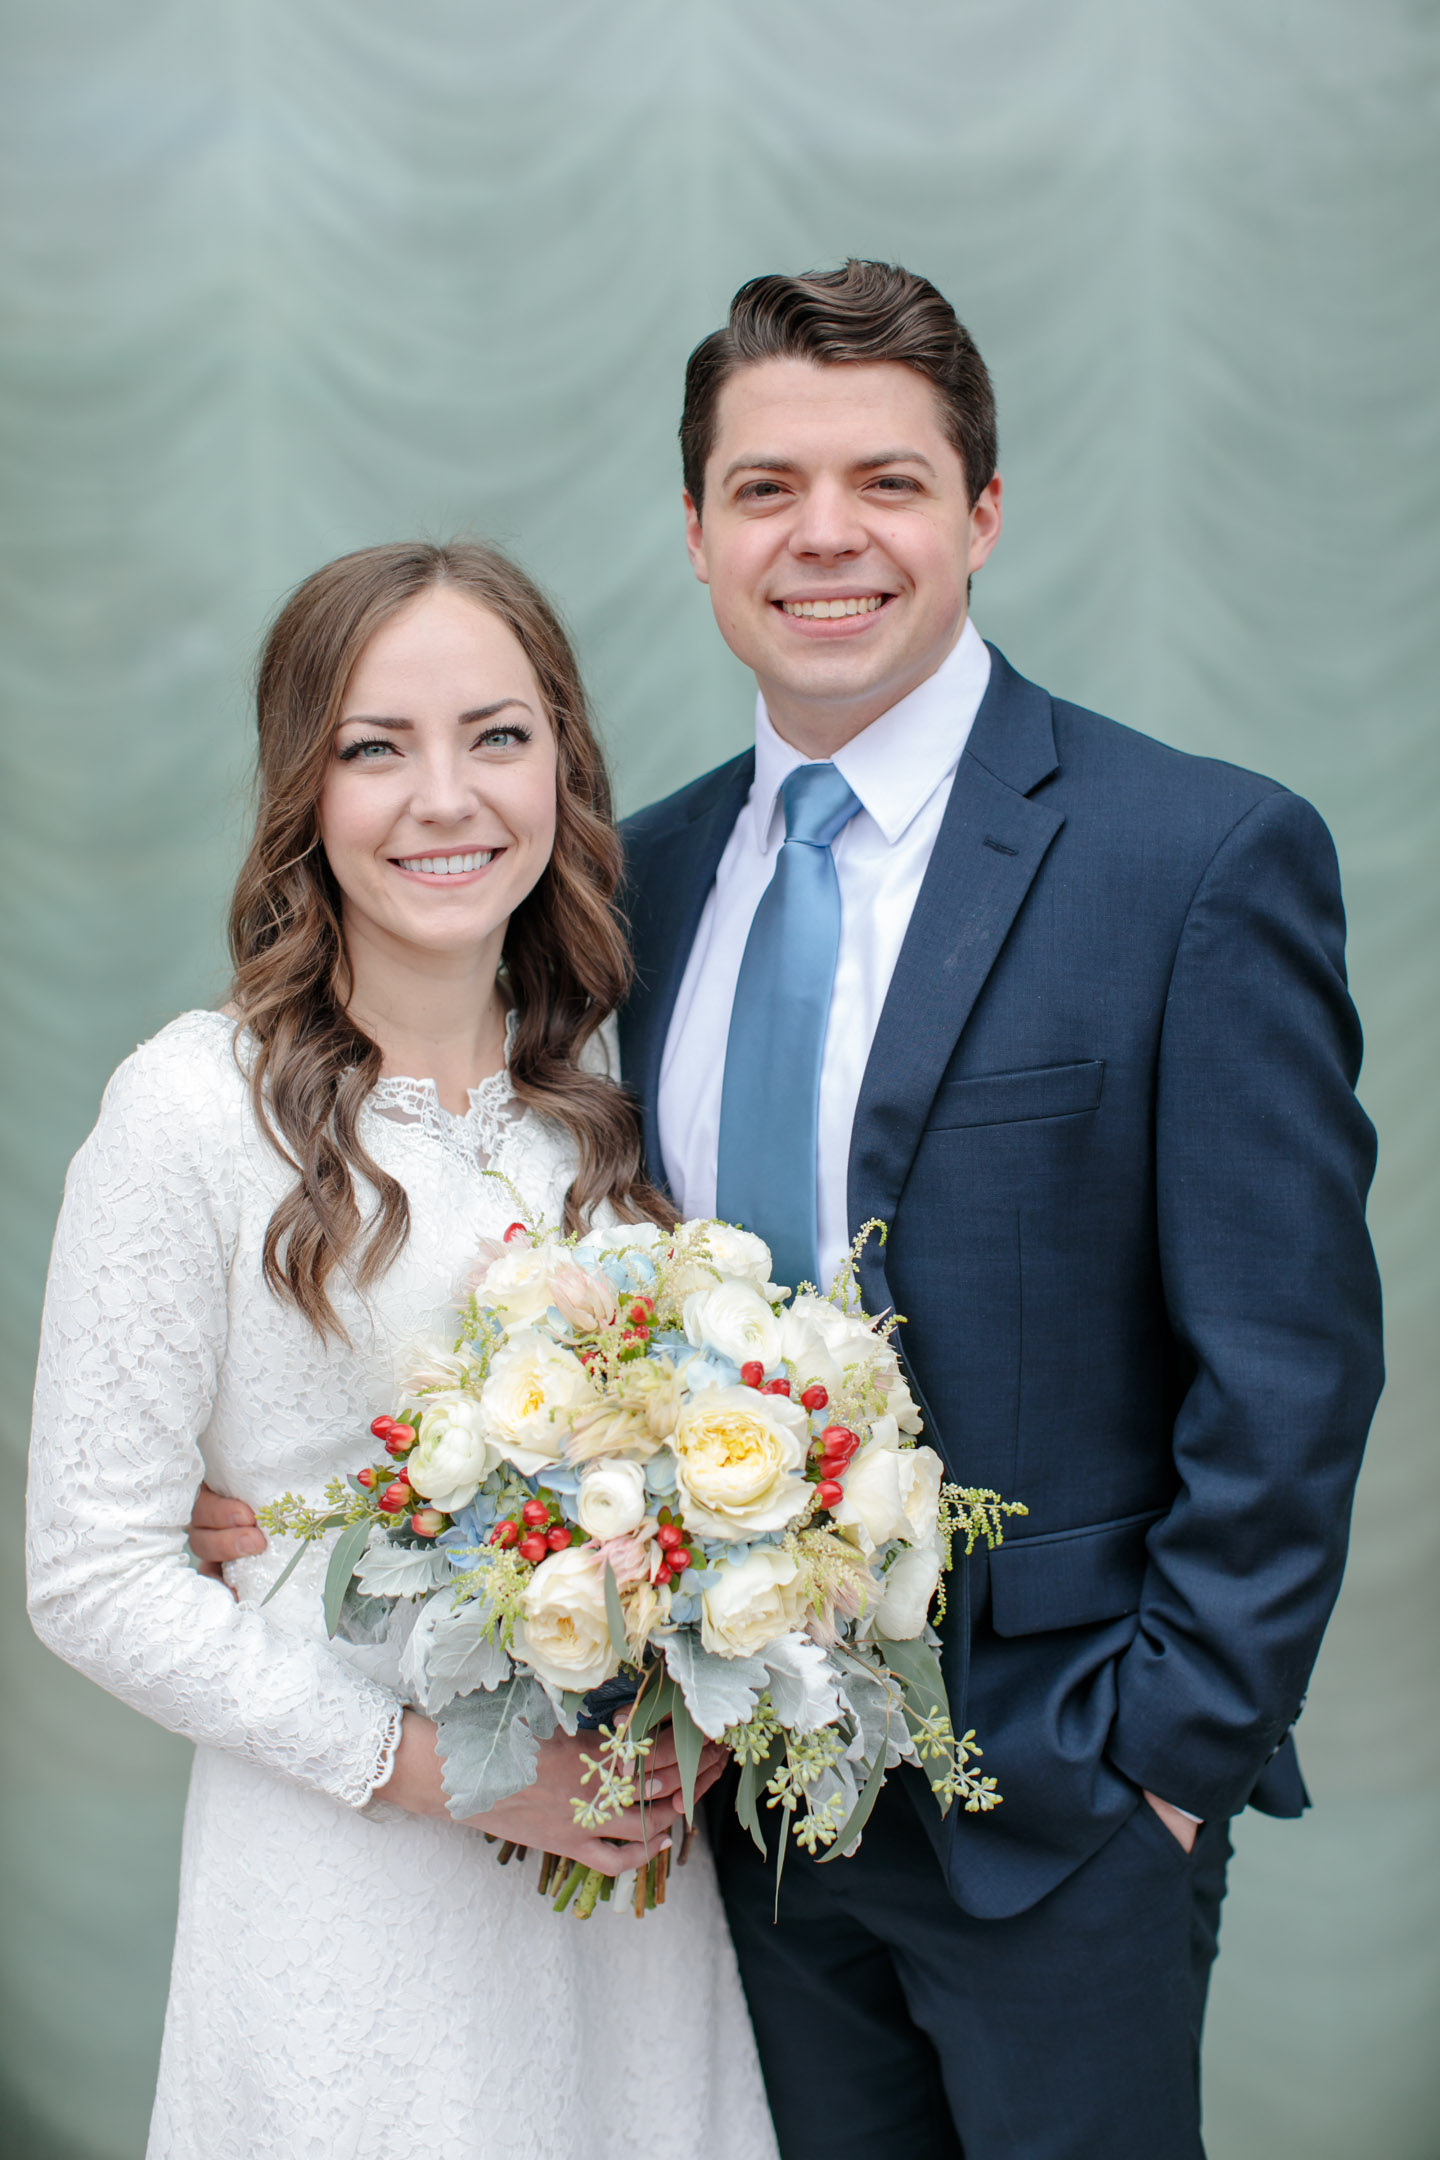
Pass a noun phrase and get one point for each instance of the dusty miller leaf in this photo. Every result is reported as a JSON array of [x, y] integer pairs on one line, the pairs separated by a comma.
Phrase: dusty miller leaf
[[451, 1652], [802, 1683], [490, 1745], [401, 1570], [718, 1691]]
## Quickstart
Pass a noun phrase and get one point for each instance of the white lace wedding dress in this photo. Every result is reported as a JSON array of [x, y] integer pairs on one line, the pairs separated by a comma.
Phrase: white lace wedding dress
[[347, 1985]]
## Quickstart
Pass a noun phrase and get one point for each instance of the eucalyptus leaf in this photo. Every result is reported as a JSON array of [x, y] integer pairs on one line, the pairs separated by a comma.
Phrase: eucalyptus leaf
[[614, 1613], [390, 1570], [747, 1794], [718, 1691], [490, 1744], [346, 1551], [294, 1561], [859, 1815], [917, 1667], [689, 1740]]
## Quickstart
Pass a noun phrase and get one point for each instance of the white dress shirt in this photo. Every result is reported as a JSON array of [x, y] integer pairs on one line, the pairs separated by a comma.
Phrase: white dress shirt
[[901, 767]]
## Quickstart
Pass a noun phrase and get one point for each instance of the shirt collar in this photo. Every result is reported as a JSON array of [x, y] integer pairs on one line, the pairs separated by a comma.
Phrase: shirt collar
[[895, 764]]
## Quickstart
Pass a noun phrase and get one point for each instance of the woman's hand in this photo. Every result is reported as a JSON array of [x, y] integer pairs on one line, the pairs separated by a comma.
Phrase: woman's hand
[[541, 1816], [222, 1530]]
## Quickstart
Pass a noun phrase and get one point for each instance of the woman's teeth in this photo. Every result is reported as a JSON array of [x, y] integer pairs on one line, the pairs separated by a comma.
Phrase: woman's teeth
[[446, 865], [824, 610]]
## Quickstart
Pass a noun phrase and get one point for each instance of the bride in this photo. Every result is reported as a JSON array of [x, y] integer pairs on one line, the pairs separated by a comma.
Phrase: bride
[[269, 1209]]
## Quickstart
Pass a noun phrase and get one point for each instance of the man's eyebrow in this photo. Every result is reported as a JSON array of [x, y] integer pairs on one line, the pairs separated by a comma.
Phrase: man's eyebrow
[[403, 727], [876, 459]]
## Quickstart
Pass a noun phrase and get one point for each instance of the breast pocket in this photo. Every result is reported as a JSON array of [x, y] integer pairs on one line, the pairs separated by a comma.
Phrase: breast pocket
[[1010, 1098]]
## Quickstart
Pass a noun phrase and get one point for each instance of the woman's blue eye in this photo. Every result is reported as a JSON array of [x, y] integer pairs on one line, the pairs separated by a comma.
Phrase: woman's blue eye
[[502, 738], [358, 750]]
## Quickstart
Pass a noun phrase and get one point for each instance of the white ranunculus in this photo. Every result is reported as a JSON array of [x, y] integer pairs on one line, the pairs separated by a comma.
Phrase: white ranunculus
[[564, 1633], [751, 1604], [517, 1285], [618, 1237], [890, 1491], [740, 1458], [734, 1319], [845, 1335], [533, 1390], [906, 1590], [612, 1499], [453, 1455]]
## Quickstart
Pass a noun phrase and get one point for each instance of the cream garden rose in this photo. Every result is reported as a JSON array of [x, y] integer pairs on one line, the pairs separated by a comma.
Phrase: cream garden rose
[[564, 1632], [740, 1456], [751, 1604], [890, 1491], [533, 1389], [452, 1454], [734, 1319], [612, 1499]]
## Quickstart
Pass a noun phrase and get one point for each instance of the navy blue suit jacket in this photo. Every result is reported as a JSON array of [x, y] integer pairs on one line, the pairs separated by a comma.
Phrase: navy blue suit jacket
[[1110, 1119]]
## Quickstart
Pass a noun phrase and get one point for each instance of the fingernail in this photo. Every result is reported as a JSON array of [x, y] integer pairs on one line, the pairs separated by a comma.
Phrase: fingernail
[[653, 1789], [253, 1542]]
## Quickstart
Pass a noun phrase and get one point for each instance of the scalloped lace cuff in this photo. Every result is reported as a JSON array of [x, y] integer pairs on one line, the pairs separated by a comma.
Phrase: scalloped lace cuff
[[367, 1805]]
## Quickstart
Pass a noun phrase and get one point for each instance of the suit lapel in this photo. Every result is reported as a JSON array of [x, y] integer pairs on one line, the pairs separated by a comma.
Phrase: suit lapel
[[668, 884], [989, 847]]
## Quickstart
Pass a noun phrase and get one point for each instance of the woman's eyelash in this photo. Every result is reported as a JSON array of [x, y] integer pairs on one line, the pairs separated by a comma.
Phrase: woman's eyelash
[[514, 728], [366, 742]]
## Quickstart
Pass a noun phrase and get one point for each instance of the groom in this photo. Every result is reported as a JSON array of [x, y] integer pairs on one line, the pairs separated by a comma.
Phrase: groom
[[1066, 1010]]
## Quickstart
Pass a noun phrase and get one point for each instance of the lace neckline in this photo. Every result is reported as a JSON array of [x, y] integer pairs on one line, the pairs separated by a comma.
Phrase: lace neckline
[[474, 1135]]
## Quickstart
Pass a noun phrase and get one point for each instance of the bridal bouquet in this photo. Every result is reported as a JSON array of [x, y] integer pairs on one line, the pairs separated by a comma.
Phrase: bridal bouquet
[[648, 1484]]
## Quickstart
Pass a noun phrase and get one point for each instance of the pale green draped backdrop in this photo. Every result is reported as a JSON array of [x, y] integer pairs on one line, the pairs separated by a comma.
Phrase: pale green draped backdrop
[[282, 277]]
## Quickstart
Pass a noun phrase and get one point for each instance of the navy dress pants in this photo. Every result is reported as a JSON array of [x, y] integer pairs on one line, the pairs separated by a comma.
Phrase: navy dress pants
[[891, 2022]]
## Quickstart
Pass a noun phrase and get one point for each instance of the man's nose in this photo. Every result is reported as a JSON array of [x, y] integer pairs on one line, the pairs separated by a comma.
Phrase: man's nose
[[828, 525]]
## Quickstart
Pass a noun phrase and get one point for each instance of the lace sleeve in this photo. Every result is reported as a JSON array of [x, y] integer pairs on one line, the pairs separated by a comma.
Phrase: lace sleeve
[[134, 1330]]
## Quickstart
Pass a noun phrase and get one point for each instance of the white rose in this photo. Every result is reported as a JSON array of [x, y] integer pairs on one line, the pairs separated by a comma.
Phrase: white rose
[[738, 1255], [740, 1457], [751, 1604], [612, 1499], [890, 1491], [534, 1387], [845, 1335], [452, 1455], [517, 1285], [734, 1319], [906, 1590], [564, 1634]]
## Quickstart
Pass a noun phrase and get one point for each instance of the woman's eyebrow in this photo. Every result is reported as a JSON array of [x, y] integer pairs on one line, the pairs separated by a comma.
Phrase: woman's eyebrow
[[464, 719]]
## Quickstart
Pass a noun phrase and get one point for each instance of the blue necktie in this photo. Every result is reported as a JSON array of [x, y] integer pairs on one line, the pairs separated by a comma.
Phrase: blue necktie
[[766, 1176]]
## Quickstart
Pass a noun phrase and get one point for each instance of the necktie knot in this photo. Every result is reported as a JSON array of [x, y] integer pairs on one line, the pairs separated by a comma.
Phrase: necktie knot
[[819, 803]]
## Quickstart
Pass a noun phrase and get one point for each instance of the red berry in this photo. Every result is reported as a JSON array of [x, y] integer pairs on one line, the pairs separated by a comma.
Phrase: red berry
[[397, 1497], [366, 1477], [427, 1522], [776, 1387], [380, 1426], [399, 1440], [664, 1572], [814, 1397], [669, 1534], [533, 1548], [829, 1492], [558, 1538], [839, 1443], [505, 1534], [752, 1372], [516, 1229], [641, 1310], [679, 1558], [535, 1513]]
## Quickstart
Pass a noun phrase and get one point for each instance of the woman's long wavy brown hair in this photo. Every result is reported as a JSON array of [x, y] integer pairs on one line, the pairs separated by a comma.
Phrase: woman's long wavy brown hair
[[566, 959]]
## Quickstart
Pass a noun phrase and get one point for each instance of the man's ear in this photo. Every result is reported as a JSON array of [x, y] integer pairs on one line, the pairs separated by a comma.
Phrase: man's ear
[[985, 522], [695, 539]]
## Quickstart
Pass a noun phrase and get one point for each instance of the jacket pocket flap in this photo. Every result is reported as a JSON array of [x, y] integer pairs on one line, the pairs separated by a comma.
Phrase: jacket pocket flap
[[1045, 1091], [1069, 1578]]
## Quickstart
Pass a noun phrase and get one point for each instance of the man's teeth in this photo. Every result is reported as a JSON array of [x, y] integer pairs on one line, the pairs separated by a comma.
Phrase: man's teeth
[[447, 865], [825, 610]]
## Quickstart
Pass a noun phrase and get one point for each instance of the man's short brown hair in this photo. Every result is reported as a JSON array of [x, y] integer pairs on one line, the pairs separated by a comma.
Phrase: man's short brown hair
[[865, 311]]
